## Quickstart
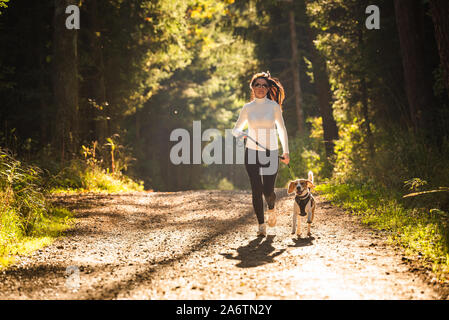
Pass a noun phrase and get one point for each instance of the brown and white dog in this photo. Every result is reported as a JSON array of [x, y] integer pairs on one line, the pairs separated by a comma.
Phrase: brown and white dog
[[304, 204]]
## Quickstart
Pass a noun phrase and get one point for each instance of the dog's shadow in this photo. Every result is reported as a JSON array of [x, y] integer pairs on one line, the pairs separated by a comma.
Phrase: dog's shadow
[[302, 242], [257, 252]]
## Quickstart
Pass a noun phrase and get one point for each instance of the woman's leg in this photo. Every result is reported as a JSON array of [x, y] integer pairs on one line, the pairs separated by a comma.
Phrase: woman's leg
[[268, 189], [256, 187], [268, 184]]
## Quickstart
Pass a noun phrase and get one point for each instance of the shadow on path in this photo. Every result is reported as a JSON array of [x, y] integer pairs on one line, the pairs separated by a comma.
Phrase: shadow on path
[[302, 242], [257, 252]]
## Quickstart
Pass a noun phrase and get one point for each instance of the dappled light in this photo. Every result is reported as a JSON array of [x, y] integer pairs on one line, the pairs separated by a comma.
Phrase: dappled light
[[221, 149]]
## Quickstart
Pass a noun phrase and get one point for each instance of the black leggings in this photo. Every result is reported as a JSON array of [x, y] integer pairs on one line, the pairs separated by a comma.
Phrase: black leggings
[[261, 183]]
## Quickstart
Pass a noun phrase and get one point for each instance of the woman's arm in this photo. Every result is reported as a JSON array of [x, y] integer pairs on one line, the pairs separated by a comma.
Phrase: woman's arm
[[282, 131], [241, 122]]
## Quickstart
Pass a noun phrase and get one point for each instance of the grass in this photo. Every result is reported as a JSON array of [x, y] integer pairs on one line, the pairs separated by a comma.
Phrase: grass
[[79, 177], [14, 242], [422, 233], [27, 220]]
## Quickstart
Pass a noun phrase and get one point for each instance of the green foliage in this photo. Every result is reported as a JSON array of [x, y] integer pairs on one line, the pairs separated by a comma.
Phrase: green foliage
[[225, 184], [206, 89], [423, 233], [92, 173], [399, 156], [27, 221], [21, 192], [3, 4], [365, 71], [307, 153], [79, 177]]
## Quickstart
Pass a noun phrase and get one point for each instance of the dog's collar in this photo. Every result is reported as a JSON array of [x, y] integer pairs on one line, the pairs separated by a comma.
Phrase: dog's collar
[[303, 197]]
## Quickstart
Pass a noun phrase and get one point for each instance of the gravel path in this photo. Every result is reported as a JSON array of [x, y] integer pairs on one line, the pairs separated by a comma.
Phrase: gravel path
[[203, 245]]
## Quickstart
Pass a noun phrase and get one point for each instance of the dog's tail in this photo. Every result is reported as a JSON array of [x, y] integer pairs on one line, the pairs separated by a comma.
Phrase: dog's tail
[[310, 176]]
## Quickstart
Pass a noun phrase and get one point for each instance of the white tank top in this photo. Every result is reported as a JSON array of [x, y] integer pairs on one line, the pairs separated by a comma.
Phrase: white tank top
[[262, 116]]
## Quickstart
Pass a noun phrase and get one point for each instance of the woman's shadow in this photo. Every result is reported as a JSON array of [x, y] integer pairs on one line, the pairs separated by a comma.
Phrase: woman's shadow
[[257, 252]]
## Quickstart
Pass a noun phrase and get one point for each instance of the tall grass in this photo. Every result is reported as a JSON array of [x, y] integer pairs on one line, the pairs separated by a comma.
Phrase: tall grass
[[27, 220], [99, 169], [423, 233], [79, 176]]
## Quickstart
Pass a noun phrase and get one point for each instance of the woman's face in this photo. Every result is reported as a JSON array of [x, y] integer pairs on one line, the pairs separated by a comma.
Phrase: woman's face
[[260, 88]]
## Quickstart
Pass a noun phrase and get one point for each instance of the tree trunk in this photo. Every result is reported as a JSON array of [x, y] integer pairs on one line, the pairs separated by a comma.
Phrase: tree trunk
[[138, 124], [40, 60], [367, 120], [295, 71], [98, 83], [364, 98], [324, 95], [418, 85], [65, 82], [440, 16]]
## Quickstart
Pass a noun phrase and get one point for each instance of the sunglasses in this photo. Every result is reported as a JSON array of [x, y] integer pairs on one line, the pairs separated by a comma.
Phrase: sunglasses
[[258, 85]]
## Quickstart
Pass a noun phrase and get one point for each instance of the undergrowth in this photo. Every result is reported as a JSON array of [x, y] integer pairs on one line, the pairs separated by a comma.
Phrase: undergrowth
[[423, 233], [27, 220], [82, 177], [401, 187]]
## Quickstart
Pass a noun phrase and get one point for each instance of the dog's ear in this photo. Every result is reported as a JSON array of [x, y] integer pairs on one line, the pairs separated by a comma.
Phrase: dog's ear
[[291, 187], [310, 184]]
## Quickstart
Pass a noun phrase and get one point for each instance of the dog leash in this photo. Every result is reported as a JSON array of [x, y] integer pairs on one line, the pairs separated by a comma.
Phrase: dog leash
[[292, 174]]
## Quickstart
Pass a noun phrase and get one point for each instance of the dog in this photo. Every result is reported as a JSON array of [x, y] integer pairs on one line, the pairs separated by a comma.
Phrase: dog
[[304, 204]]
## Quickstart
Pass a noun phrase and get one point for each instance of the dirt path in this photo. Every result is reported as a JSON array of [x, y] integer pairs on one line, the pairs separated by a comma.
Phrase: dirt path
[[202, 245]]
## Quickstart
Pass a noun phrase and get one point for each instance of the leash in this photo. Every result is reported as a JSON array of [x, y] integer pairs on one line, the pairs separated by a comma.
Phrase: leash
[[292, 174]]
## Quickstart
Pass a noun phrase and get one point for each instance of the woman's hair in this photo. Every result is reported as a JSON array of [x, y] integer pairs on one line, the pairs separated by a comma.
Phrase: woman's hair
[[275, 89]]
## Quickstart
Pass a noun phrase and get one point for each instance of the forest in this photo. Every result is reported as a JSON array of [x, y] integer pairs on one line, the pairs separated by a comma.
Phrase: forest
[[92, 109]]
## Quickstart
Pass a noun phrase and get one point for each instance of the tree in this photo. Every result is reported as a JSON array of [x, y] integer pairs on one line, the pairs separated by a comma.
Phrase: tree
[[440, 13], [65, 82], [322, 85], [418, 83], [97, 81], [295, 72]]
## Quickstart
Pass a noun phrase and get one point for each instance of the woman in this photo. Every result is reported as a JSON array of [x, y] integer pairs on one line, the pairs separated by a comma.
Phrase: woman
[[261, 115]]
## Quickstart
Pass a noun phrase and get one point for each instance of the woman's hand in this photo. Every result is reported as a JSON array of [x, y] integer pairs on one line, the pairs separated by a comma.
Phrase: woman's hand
[[286, 159]]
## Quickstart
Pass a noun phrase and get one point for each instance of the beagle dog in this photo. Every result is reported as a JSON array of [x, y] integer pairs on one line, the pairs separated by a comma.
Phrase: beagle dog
[[304, 204]]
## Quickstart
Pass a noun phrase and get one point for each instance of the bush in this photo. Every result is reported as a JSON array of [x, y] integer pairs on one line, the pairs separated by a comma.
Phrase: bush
[[81, 176], [98, 169], [21, 192], [306, 153], [373, 186], [27, 221], [421, 232]]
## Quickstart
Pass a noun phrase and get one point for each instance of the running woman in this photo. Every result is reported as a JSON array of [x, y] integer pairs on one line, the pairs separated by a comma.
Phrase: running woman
[[263, 115]]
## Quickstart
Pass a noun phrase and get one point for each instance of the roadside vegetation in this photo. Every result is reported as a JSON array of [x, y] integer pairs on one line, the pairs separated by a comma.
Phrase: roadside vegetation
[[97, 169], [402, 188], [28, 221], [422, 232]]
